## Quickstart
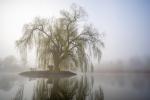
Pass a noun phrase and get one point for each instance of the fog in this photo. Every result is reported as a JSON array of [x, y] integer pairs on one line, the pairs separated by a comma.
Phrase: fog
[[11, 64], [134, 64], [122, 73], [124, 23]]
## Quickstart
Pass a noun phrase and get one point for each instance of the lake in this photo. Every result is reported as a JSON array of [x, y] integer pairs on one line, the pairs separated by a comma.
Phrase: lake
[[95, 86]]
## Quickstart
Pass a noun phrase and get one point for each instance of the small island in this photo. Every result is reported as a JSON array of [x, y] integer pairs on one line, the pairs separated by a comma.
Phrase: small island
[[47, 74]]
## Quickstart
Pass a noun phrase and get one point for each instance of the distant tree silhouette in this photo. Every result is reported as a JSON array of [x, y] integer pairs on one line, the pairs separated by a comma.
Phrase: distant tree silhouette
[[10, 64]]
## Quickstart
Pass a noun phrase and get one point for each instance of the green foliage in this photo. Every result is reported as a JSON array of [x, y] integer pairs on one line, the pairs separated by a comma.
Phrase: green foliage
[[65, 42]]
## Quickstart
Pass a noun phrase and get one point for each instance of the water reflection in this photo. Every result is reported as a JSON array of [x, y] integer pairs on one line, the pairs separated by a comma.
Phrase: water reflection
[[19, 94], [7, 81], [114, 87], [76, 88], [66, 89]]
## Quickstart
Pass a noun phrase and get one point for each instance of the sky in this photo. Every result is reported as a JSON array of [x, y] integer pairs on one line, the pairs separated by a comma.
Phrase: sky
[[126, 23]]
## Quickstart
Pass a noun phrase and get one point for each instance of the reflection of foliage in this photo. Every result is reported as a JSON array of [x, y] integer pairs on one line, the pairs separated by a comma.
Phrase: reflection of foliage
[[8, 81], [42, 91], [67, 89], [61, 42], [97, 95], [84, 89], [64, 89], [19, 94], [61, 90]]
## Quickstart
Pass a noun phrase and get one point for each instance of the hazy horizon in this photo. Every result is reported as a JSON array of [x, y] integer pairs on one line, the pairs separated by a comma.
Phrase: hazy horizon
[[124, 22], [65, 62]]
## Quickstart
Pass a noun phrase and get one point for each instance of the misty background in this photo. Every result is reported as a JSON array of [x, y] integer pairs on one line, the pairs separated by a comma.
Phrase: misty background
[[125, 23]]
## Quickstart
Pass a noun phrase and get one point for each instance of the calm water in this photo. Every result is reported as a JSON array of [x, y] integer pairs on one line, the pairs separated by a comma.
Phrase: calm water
[[80, 87]]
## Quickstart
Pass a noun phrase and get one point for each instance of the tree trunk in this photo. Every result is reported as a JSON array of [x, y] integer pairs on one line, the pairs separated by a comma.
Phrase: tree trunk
[[56, 69], [56, 62], [56, 66]]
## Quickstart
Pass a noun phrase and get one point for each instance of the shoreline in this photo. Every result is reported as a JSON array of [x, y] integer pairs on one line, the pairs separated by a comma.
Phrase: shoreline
[[46, 74]]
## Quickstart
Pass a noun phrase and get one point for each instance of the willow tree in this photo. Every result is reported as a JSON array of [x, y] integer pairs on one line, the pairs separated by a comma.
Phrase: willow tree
[[65, 42]]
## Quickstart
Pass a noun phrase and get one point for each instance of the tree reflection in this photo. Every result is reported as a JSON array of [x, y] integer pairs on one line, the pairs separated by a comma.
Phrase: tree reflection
[[19, 94], [67, 89], [64, 89]]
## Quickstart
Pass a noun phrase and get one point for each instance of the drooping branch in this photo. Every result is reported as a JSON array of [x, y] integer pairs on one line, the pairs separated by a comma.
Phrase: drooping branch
[[61, 42]]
